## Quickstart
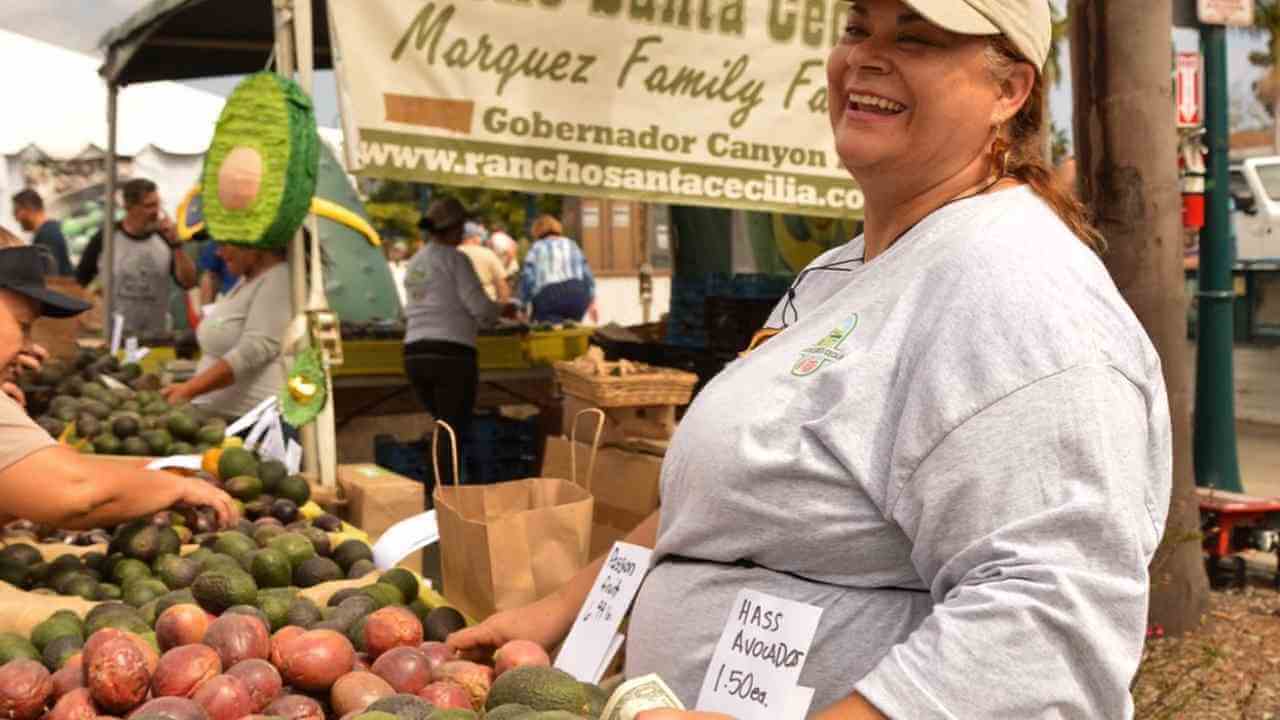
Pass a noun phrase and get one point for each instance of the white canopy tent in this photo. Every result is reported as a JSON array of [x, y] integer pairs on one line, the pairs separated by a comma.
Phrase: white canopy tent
[[55, 115]]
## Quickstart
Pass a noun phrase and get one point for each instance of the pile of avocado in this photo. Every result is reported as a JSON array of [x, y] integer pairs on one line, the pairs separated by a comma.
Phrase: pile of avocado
[[259, 564], [129, 417], [264, 487]]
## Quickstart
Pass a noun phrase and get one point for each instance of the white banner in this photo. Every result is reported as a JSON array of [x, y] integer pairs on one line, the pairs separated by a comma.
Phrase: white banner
[[714, 102]]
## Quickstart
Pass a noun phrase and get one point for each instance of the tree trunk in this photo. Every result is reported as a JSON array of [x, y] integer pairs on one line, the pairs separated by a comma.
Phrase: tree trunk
[[1126, 150]]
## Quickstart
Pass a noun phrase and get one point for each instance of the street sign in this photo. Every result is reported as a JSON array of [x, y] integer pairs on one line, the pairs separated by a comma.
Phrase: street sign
[[1237, 13], [1188, 100]]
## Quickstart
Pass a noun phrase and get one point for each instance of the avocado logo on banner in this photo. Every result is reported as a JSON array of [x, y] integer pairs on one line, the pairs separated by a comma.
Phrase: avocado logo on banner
[[812, 359]]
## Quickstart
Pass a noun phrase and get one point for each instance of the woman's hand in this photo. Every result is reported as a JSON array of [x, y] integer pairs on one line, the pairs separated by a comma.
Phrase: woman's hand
[[178, 393], [198, 493], [545, 622]]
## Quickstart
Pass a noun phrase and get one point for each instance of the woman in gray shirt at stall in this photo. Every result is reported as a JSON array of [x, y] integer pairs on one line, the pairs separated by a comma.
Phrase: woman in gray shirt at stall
[[240, 339], [446, 308]]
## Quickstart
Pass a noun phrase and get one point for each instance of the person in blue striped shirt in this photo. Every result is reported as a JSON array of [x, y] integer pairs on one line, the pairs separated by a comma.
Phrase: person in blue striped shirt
[[556, 279]]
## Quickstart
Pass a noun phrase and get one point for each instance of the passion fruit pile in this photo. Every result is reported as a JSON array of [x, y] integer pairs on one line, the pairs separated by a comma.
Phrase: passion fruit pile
[[372, 653]]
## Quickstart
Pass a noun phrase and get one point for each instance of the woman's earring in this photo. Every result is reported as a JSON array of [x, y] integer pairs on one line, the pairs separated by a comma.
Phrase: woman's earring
[[1000, 152]]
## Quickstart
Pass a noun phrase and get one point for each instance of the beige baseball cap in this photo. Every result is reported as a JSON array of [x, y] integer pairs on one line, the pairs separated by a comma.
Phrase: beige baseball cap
[[1026, 23]]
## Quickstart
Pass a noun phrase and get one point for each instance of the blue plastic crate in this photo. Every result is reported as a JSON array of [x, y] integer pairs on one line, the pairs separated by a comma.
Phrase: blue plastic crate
[[410, 459], [494, 471]]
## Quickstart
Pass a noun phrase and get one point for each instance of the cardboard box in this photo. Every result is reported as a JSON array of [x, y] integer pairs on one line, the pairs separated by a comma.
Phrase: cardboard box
[[59, 336], [626, 487], [378, 498], [656, 422]]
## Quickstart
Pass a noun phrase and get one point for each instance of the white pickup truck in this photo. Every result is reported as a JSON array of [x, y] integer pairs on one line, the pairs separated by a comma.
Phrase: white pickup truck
[[1255, 187]]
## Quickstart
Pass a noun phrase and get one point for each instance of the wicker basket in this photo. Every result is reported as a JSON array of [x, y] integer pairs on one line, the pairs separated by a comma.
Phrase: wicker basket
[[623, 383]]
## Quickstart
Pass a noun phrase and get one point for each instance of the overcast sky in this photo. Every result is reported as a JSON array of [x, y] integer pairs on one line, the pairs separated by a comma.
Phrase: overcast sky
[[78, 24]]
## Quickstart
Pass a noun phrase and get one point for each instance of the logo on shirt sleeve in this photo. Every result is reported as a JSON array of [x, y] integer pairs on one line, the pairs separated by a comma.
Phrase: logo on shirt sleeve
[[812, 359]]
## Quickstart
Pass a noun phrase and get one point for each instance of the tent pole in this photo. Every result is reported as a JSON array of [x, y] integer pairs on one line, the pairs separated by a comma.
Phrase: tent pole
[[297, 248], [106, 260], [326, 442]]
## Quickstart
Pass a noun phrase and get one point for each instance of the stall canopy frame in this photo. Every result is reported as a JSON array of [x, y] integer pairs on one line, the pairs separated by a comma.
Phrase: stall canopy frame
[[188, 39]]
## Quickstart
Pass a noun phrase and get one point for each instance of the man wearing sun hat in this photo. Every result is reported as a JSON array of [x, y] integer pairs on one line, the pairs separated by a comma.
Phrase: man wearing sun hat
[[52, 484]]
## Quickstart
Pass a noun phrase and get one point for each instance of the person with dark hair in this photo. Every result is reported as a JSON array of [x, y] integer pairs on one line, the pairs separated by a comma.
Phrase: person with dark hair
[[28, 210], [240, 339], [556, 279], [147, 254], [955, 442], [52, 484], [446, 308]]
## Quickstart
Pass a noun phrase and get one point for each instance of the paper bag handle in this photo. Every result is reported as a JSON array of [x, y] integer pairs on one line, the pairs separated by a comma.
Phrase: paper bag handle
[[453, 445], [595, 447]]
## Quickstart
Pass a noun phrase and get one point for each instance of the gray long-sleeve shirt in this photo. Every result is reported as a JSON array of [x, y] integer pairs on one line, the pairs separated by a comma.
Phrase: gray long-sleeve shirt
[[446, 300], [960, 451], [246, 329]]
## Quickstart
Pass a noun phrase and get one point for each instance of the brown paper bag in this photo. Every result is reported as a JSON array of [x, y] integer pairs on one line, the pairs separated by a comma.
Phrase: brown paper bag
[[506, 545], [626, 488]]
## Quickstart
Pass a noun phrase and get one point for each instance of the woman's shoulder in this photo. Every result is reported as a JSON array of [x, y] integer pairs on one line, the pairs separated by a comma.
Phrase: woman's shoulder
[[277, 276], [1015, 242], [1026, 286]]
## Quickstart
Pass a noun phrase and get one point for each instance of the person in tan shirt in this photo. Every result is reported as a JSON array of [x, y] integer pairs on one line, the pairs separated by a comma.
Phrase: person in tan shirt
[[489, 267], [52, 484]]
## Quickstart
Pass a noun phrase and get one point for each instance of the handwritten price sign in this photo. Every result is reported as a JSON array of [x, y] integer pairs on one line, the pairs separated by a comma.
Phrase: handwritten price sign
[[756, 666], [593, 640]]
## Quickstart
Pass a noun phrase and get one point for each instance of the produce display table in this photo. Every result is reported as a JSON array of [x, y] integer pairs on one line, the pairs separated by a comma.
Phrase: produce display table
[[501, 351], [361, 395]]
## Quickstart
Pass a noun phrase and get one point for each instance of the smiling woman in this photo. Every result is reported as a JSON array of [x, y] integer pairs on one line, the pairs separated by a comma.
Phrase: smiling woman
[[972, 485]]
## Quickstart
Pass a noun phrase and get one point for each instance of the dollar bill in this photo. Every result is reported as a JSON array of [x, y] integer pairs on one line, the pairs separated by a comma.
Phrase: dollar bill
[[635, 696]]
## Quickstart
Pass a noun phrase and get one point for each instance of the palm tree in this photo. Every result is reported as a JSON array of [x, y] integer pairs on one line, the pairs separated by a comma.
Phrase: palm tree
[[1266, 21]]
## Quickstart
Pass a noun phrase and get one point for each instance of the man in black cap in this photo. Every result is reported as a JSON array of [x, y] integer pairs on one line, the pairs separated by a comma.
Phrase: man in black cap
[[52, 484]]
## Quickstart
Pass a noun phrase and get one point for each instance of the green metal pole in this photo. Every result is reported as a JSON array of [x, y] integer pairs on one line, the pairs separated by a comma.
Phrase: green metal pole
[[1215, 428]]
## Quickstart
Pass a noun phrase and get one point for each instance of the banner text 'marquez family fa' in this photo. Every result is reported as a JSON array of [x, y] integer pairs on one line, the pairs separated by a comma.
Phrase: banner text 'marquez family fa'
[[695, 102]]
